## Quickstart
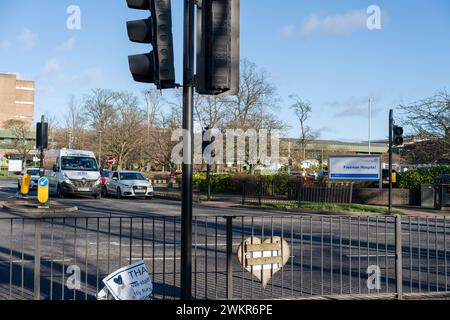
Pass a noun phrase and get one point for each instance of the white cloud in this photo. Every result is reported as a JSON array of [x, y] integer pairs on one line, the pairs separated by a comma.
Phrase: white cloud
[[68, 44], [288, 31], [5, 44], [52, 67], [88, 76], [337, 24], [27, 38], [355, 107]]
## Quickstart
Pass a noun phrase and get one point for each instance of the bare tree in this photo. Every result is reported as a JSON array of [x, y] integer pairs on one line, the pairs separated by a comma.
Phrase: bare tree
[[429, 121], [99, 108], [257, 99], [211, 111], [125, 136], [302, 110], [75, 122], [22, 141]]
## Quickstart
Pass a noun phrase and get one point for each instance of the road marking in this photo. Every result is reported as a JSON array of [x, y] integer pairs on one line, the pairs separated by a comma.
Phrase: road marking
[[124, 245], [32, 261], [153, 259], [353, 256]]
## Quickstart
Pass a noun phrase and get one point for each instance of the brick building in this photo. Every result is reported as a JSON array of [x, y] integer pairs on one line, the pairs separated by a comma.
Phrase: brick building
[[16, 99]]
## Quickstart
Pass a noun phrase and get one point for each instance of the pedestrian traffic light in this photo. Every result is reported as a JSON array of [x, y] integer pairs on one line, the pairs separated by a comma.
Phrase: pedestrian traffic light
[[157, 66], [398, 136], [218, 47]]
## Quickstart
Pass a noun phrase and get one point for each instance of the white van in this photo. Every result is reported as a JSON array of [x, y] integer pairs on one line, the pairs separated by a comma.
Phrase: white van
[[72, 172]]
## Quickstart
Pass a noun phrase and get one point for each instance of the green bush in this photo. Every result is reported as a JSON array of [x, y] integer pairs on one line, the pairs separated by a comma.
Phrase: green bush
[[413, 179]]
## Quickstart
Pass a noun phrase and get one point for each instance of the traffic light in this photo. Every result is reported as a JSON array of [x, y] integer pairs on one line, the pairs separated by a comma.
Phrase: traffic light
[[42, 135], [218, 47], [157, 66], [398, 136], [206, 141]]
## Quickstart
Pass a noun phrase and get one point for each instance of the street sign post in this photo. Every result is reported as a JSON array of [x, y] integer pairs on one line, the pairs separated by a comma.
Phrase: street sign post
[[110, 161]]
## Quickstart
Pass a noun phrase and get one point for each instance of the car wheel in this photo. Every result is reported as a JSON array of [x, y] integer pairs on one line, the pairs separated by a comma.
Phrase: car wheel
[[119, 193], [149, 198], [59, 192]]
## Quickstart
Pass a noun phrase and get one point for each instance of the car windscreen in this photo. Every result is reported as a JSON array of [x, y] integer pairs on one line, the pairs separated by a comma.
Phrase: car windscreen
[[33, 172], [79, 164], [132, 176]]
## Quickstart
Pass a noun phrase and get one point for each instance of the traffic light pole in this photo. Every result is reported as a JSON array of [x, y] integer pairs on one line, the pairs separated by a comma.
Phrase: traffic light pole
[[41, 149], [391, 130], [188, 147]]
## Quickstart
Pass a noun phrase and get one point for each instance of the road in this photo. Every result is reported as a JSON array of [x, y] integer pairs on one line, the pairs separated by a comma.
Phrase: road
[[329, 255]]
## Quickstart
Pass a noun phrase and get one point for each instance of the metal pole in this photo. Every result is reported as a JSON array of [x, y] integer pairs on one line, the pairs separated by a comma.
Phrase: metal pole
[[229, 258], [398, 258], [188, 147], [391, 126], [208, 175], [370, 126], [41, 168], [100, 149]]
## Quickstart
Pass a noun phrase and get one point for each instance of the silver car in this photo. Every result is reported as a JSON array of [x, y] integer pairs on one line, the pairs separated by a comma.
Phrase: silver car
[[124, 184]]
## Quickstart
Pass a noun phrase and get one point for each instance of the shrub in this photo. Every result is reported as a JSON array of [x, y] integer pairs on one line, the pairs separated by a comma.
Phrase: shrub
[[413, 179]]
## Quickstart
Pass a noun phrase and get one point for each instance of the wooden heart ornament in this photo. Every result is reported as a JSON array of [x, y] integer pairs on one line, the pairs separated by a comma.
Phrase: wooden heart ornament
[[264, 259]]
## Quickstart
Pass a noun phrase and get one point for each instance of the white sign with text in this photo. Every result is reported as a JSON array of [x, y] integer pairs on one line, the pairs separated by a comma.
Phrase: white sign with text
[[130, 283], [361, 168], [15, 165]]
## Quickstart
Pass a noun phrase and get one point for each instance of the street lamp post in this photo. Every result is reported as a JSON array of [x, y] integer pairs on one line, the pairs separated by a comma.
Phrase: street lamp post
[[370, 126], [100, 148]]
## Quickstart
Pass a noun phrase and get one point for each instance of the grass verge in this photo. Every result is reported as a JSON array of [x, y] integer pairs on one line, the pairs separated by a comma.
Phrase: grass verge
[[333, 208]]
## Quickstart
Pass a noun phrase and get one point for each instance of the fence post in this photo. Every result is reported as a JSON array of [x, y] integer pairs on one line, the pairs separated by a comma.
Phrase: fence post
[[229, 258], [350, 200], [37, 259], [398, 258], [260, 190], [299, 193], [243, 193]]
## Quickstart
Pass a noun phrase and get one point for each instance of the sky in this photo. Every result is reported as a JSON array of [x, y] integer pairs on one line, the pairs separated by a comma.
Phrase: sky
[[320, 50]]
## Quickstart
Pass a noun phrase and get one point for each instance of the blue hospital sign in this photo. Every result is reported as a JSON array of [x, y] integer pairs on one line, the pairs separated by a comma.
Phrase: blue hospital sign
[[355, 168]]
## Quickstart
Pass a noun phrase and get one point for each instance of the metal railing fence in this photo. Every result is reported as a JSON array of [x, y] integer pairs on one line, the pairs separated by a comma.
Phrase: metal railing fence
[[293, 193], [67, 258]]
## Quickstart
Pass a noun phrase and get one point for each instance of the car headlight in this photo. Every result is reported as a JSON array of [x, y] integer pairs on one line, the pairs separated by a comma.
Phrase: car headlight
[[127, 186], [66, 179]]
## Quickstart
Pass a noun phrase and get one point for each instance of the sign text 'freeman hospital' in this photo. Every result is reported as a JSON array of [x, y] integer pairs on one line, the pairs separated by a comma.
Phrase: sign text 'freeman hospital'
[[249, 147]]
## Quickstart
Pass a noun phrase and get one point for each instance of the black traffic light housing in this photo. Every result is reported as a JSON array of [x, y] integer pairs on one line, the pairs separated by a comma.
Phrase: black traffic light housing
[[157, 66], [218, 47], [42, 135], [398, 136]]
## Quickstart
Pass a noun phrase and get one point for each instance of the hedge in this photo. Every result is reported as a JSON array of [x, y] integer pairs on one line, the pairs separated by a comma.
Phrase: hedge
[[233, 183], [413, 179]]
